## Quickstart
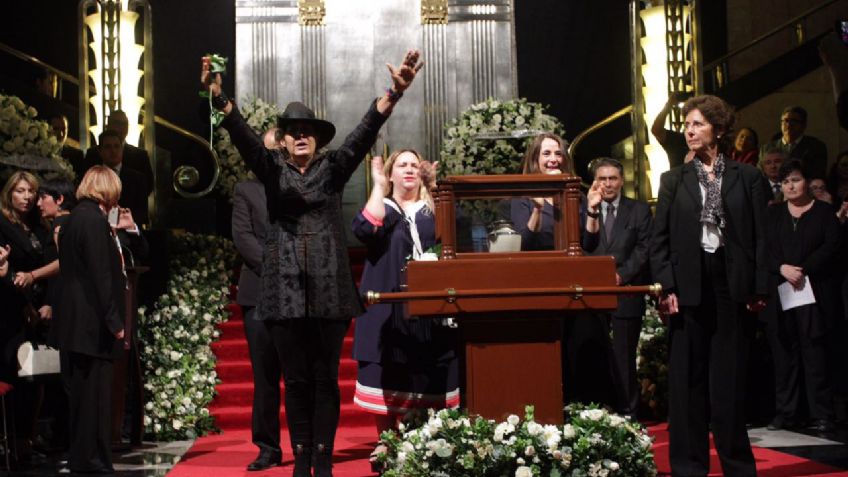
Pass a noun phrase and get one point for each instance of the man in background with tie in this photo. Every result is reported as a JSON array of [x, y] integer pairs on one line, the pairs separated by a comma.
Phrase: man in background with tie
[[770, 161], [812, 152], [135, 188], [621, 227]]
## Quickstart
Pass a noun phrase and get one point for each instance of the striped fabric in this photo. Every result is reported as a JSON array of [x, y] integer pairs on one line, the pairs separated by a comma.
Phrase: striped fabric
[[385, 401]]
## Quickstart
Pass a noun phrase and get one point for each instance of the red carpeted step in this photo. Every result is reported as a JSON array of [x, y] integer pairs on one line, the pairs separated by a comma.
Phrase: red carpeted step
[[241, 393], [232, 371], [236, 348], [238, 417]]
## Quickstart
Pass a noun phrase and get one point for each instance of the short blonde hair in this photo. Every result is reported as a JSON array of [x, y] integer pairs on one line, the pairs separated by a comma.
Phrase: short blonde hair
[[6, 196], [100, 184]]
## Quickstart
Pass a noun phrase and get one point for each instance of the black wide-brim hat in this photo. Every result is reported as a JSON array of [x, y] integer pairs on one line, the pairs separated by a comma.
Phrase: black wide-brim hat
[[297, 112]]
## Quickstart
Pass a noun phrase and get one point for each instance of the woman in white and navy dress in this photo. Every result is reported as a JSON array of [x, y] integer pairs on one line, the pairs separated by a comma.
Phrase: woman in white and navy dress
[[403, 364]]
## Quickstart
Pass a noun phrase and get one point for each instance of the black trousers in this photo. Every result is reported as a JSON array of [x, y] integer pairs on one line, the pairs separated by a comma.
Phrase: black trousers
[[309, 350], [267, 371], [587, 360], [707, 364], [625, 340], [799, 357], [90, 413]]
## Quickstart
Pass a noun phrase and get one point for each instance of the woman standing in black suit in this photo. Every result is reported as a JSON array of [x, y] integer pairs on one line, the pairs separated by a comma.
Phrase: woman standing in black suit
[[89, 321], [805, 247], [708, 250]]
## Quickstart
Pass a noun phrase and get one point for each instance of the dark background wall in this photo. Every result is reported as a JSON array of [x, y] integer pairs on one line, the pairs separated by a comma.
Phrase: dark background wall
[[572, 55]]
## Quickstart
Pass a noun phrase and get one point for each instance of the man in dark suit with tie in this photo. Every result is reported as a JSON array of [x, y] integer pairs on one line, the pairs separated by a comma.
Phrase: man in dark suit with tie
[[770, 161], [59, 124], [134, 190], [250, 214], [133, 157], [811, 151], [624, 229]]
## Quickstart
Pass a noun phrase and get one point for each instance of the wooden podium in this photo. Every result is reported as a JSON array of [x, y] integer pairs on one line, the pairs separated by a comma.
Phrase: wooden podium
[[509, 306]]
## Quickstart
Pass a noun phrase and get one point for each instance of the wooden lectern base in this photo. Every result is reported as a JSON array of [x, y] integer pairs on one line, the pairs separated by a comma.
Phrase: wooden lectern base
[[510, 363]]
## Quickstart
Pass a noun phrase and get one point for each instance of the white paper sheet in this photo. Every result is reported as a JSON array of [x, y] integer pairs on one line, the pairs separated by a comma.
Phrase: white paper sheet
[[792, 298]]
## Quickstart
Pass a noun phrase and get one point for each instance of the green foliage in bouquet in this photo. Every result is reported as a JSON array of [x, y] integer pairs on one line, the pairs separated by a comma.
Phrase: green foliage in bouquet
[[490, 138], [452, 443], [175, 336]]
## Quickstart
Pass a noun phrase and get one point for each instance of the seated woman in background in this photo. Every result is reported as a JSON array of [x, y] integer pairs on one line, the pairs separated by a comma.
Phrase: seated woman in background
[[804, 249], [403, 364], [746, 147]]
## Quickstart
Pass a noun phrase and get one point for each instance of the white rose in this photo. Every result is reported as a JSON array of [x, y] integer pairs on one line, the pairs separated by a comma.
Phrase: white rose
[[523, 471], [513, 419], [534, 428], [177, 424], [568, 431]]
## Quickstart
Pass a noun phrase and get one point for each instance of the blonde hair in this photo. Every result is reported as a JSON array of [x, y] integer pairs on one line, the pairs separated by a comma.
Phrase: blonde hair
[[530, 162], [100, 184], [423, 192], [6, 198]]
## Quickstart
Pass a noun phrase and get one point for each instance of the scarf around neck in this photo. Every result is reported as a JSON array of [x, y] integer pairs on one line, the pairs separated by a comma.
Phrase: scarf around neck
[[713, 210]]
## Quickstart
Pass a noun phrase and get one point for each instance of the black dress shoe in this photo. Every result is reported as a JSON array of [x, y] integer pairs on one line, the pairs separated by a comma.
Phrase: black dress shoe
[[265, 460], [780, 422], [822, 425]]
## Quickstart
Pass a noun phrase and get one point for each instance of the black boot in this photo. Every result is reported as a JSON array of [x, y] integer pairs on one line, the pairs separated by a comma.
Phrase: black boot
[[302, 460], [322, 461]]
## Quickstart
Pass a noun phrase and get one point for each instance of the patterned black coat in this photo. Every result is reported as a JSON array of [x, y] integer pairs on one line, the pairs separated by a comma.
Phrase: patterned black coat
[[305, 269]]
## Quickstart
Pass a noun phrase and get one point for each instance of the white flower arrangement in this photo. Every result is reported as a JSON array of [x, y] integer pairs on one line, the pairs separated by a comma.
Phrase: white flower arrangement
[[179, 366], [594, 443], [652, 362], [490, 138], [21, 134], [261, 117]]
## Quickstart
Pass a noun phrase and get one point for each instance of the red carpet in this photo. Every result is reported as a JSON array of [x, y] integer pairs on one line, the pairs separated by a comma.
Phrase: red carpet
[[228, 453]]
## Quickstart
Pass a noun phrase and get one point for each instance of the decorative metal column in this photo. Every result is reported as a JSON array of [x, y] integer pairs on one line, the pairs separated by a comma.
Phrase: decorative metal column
[[109, 54], [664, 55]]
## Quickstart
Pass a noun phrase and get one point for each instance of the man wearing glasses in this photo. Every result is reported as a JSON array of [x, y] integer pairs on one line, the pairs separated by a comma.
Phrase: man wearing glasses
[[809, 150]]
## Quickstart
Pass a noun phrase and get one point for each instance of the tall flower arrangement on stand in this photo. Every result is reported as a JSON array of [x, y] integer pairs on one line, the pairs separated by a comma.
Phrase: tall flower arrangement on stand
[[260, 116], [451, 443], [179, 366], [27, 142]]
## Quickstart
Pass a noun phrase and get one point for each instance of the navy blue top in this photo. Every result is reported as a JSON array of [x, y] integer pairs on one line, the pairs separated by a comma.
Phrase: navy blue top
[[382, 334], [520, 209]]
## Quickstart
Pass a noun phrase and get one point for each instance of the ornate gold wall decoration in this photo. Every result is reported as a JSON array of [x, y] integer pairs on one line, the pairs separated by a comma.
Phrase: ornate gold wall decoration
[[311, 12], [434, 12]]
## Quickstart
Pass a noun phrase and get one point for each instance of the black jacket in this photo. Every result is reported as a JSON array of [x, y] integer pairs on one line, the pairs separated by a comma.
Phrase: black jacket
[[630, 247], [305, 269], [91, 306], [250, 215], [676, 238]]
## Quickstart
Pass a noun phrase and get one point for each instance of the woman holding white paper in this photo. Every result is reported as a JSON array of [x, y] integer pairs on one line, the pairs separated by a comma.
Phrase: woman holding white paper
[[802, 254]]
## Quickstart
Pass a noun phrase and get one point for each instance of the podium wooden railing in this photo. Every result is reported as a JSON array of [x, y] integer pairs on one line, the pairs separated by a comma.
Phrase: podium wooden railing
[[450, 295]]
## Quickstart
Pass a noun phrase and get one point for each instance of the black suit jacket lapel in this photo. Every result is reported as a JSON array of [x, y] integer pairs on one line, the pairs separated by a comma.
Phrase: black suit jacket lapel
[[731, 176], [690, 182], [621, 216]]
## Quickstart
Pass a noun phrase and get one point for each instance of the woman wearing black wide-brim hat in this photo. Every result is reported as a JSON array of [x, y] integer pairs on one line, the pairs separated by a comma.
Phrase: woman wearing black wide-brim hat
[[308, 295]]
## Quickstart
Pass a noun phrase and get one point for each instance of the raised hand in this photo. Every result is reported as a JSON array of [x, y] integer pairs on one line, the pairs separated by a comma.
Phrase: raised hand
[[429, 171], [594, 196], [403, 75], [377, 175]]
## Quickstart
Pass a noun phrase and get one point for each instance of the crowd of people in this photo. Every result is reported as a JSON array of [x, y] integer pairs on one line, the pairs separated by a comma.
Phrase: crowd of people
[[744, 237]]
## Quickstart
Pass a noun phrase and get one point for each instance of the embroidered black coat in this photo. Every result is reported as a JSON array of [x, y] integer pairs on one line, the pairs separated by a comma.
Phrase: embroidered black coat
[[305, 269]]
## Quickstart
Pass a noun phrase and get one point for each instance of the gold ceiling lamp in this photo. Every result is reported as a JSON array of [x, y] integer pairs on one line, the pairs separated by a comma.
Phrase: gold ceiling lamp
[[664, 57], [116, 69]]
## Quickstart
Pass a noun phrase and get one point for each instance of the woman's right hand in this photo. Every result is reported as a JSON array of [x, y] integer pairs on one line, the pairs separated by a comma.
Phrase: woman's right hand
[[793, 275], [378, 177]]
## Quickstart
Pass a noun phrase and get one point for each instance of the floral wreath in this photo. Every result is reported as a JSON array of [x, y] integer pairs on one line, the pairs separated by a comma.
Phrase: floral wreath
[[27, 142]]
